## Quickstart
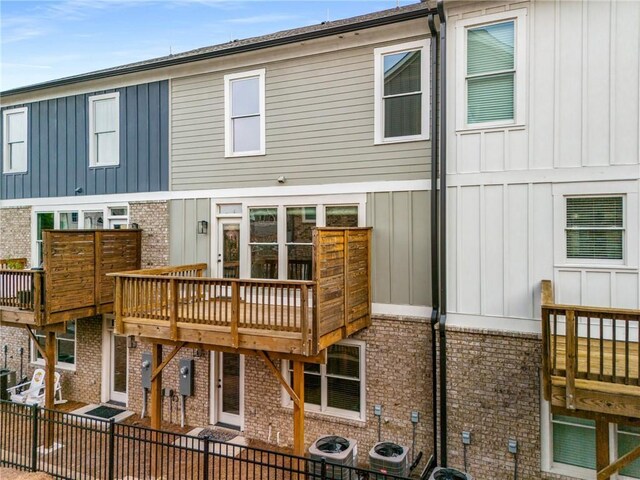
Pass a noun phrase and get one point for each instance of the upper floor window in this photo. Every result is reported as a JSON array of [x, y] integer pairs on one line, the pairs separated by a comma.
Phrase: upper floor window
[[104, 130], [490, 65], [595, 228], [244, 113], [402, 92], [15, 140]]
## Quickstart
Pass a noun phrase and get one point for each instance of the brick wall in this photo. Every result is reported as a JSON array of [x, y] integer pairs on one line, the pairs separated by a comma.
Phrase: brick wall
[[398, 376], [84, 383], [153, 219], [15, 232], [494, 393]]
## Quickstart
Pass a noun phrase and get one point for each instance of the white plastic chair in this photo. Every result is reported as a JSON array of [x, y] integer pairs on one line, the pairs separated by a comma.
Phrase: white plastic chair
[[35, 390]]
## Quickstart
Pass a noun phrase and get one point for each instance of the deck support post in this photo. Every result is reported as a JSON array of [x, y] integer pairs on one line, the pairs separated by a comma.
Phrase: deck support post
[[156, 386], [602, 446], [298, 408], [49, 384]]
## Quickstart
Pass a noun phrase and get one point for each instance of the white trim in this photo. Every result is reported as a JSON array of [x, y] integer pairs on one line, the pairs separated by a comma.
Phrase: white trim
[[228, 130], [495, 323], [24, 167], [92, 141], [519, 16], [106, 359], [214, 392], [69, 367], [560, 177], [328, 411], [228, 193], [401, 310], [425, 88]]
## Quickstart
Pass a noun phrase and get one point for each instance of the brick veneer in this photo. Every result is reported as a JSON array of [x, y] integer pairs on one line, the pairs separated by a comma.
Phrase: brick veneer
[[84, 383], [153, 219], [494, 393], [15, 232]]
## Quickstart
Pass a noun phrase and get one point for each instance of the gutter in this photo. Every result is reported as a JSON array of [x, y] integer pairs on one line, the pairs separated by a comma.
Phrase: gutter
[[179, 60]]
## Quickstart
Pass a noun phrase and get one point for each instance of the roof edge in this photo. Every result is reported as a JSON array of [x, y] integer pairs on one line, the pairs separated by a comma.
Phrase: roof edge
[[169, 62]]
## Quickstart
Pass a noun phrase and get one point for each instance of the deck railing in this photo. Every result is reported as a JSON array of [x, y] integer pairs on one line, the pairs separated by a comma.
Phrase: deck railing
[[21, 289], [588, 343], [281, 306]]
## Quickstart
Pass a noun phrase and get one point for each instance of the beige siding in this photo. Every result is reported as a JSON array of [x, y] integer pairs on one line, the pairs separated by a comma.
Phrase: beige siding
[[186, 246], [319, 128], [401, 256]]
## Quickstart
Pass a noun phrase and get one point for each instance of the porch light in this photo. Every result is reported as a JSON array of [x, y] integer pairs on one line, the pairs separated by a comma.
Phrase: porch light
[[131, 342], [203, 227]]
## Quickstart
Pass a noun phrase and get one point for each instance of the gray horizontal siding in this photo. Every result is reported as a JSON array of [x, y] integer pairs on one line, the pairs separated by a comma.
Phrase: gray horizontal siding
[[58, 147], [185, 245], [319, 128]]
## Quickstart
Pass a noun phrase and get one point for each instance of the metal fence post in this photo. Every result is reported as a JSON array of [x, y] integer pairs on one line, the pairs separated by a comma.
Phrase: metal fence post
[[34, 437], [323, 468], [206, 459], [111, 448]]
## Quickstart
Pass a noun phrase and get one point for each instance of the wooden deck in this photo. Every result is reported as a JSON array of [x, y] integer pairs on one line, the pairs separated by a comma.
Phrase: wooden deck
[[282, 316], [591, 359], [73, 282]]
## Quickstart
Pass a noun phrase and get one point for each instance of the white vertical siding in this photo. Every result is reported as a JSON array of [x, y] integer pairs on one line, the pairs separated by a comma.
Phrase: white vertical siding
[[505, 220]]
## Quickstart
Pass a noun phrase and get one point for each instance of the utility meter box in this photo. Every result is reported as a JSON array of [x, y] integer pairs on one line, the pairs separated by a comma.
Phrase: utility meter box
[[186, 377], [145, 369]]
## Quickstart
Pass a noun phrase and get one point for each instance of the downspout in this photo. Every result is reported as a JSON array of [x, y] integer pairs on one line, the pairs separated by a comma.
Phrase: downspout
[[435, 290], [443, 235]]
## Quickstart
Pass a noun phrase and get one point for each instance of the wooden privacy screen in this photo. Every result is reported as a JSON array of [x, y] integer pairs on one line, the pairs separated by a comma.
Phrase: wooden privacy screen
[[76, 263], [343, 277]]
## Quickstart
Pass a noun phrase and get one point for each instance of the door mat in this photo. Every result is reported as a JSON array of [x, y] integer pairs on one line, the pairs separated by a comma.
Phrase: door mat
[[104, 412], [216, 435]]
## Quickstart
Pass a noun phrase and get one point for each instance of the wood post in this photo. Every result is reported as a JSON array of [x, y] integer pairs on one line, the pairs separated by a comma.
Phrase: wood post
[[97, 265], [119, 324], [571, 360], [298, 408], [37, 297], [49, 384], [156, 386], [304, 319], [602, 446], [173, 308], [235, 313]]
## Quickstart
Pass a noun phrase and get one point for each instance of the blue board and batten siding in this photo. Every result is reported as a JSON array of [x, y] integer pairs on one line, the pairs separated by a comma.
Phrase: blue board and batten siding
[[58, 147]]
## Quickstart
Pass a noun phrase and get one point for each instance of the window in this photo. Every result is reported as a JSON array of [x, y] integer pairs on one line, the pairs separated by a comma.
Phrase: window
[[491, 70], [402, 92], [342, 216], [300, 223], [104, 130], [337, 387], [66, 347], [15, 140], [44, 221], [595, 228], [574, 446], [263, 241], [244, 113]]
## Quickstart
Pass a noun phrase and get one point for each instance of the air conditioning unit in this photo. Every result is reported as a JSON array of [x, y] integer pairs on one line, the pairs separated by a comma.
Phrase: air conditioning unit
[[449, 474], [338, 452], [389, 459]]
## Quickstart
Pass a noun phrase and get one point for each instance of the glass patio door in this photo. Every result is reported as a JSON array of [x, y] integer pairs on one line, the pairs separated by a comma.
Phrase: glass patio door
[[230, 389], [119, 362]]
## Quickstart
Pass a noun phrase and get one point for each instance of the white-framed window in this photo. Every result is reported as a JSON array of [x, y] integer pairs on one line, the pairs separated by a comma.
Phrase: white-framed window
[[65, 347], [338, 387], [244, 112], [570, 446], [15, 140], [595, 229], [490, 70], [104, 130], [402, 91]]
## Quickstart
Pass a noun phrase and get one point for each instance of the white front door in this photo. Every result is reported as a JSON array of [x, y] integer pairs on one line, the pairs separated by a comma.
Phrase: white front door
[[118, 368], [227, 390]]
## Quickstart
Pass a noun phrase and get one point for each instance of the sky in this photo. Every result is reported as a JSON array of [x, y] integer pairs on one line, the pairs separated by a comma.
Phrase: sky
[[46, 40]]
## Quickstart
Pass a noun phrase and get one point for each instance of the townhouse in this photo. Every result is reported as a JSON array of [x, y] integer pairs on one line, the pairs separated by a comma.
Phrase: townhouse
[[230, 155]]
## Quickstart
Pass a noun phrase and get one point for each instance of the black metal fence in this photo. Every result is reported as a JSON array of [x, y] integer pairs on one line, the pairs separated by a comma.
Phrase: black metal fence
[[71, 446]]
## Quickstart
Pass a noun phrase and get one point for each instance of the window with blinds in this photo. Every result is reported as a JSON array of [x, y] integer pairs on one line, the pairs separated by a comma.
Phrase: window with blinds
[[491, 73], [104, 114], [337, 386], [595, 228], [574, 441], [15, 140]]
